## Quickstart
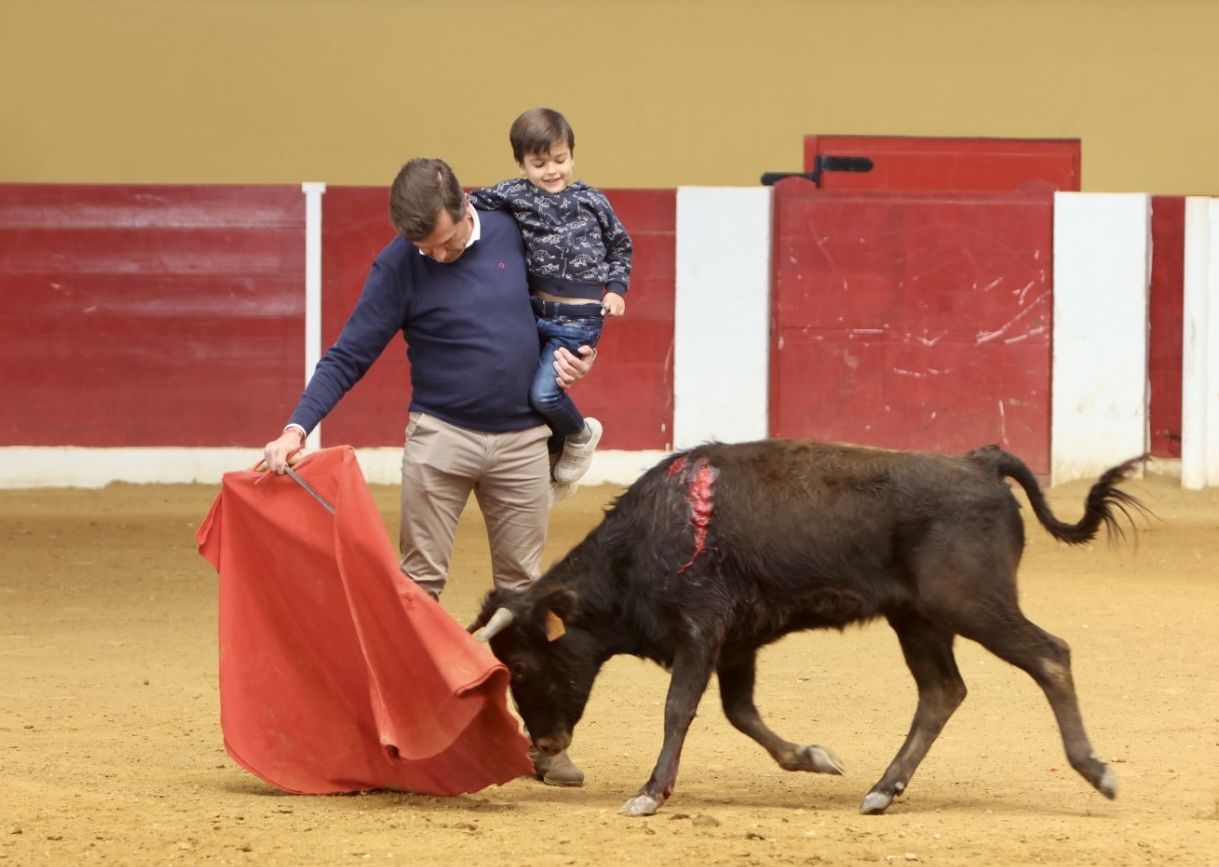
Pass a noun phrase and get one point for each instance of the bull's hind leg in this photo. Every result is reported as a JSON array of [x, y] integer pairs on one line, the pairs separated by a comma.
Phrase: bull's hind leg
[[1047, 659], [736, 675], [928, 652]]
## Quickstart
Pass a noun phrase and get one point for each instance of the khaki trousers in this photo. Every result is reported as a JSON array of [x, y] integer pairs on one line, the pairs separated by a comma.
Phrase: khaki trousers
[[509, 474]]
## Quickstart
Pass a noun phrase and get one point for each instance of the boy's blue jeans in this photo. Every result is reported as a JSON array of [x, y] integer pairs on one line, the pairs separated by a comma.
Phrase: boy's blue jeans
[[571, 326]]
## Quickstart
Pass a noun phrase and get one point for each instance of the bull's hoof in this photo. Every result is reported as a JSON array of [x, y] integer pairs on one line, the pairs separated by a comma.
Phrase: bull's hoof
[[641, 805], [817, 760], [1108, 784], [875, 803], [1100, 775]]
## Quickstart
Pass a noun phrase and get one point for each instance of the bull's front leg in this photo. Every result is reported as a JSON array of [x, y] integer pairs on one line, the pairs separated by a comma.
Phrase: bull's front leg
[[691, 670]]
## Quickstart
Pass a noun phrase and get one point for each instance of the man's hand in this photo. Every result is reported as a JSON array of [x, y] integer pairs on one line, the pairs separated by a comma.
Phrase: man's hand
[[613, 304], [569, 368], [276, 453]]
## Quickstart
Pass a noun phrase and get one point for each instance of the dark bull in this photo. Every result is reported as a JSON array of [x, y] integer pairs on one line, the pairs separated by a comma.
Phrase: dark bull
[[723, 549]]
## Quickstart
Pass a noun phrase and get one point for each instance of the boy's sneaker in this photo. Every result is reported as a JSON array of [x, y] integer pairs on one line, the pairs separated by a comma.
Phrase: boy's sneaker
[[561, 492], [577, 456]]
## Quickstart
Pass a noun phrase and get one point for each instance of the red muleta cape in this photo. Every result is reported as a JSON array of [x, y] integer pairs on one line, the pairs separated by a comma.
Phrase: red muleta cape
[[337, 673]]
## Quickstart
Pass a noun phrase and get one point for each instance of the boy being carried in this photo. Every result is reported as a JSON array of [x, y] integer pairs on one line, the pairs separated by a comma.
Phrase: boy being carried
[[579, 259]]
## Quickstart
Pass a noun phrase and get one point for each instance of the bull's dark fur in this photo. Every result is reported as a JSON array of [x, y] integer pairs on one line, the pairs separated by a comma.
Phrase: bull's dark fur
[[801, 535]]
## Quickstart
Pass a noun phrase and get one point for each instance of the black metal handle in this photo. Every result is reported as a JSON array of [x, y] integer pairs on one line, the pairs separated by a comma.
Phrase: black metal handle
[[821, 164]]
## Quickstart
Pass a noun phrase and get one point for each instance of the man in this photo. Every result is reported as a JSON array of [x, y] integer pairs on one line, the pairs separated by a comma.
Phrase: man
[[454, 284]]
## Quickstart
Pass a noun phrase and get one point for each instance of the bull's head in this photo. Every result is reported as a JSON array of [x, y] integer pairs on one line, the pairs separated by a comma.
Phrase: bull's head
[[552, 662]]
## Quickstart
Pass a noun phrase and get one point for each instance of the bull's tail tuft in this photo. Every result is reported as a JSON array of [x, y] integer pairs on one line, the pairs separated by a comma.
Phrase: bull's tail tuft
[[1105, 501]]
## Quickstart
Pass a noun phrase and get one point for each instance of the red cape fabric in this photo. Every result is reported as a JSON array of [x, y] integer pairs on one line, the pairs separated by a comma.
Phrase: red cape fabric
[[337, 673]]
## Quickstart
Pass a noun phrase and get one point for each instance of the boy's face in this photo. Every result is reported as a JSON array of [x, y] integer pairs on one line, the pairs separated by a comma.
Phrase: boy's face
[[549, 170]]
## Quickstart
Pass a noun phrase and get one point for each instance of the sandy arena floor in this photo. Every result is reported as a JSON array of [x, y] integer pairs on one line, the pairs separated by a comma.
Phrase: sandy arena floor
[[111, 751]]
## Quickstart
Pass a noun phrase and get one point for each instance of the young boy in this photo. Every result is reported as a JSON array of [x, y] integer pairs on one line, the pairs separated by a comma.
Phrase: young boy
[[579, 260]]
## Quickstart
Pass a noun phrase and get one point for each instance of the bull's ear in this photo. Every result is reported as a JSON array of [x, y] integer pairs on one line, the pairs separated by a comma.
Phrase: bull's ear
[[560, 600], [554, 610], [555, 629]]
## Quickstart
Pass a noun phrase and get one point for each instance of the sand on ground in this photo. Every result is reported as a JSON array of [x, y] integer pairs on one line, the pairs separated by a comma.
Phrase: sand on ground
[[111, 750]]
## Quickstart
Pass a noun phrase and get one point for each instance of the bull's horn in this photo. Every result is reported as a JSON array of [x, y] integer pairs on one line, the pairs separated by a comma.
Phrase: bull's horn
[[500, 620]]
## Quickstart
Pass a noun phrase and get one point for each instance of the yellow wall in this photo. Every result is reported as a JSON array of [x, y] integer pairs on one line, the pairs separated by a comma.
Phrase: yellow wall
[[660, 93]]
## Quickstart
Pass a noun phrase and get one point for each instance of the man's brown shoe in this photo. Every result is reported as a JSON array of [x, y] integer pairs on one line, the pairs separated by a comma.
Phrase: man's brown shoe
[[556, 770]]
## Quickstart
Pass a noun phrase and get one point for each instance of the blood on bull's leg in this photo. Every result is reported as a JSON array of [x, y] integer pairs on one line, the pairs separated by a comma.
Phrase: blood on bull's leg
[[691, 672], [737, 673]]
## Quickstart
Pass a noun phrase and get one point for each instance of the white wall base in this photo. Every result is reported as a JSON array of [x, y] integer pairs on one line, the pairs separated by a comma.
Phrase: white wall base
[[51, 467], [384, 466], [70, 467]]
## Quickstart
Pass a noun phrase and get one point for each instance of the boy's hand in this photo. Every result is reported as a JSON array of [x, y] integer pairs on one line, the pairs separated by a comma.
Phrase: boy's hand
[[612, 304]]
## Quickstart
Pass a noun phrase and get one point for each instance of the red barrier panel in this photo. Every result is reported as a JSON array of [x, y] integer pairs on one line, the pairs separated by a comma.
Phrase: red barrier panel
[[631, 389], [1165, 313], [955, 164], [355, 228], [913, 320], [149, 315]]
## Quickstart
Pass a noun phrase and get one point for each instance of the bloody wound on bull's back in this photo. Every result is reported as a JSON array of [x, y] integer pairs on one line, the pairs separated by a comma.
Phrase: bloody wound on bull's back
[[698, 498]]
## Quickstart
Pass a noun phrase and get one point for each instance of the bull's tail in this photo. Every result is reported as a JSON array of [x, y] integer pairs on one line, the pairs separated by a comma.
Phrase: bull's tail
[[1102, 506]]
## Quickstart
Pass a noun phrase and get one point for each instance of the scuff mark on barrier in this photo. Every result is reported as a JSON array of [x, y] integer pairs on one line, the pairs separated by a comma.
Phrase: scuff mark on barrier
[[699, 482], [987, 336]]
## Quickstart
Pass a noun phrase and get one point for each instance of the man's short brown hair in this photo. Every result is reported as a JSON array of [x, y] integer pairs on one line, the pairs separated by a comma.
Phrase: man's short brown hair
[[538, 130], [423, 188]]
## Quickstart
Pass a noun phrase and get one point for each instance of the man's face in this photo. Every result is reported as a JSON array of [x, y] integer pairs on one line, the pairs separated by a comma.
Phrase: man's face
[[448, 240], [549, 170]]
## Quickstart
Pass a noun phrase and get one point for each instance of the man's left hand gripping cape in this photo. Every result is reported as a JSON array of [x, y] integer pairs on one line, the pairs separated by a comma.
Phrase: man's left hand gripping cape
[[337, 673]]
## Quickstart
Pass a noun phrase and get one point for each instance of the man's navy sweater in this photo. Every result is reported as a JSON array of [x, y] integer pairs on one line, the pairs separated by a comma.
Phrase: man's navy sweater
[[471, 337]]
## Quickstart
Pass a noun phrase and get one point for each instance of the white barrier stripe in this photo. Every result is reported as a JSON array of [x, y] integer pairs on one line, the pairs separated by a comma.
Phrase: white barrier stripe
[[721, 340], [1195, 325], [1099, 389], [1211, 431], [313, 288]]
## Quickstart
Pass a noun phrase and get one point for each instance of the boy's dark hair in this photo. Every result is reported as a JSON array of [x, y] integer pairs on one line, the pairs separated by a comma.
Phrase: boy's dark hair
[[537, 131], [424, 186]]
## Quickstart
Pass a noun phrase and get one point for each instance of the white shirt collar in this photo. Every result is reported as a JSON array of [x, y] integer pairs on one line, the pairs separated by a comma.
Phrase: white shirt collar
[[477, 231]]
